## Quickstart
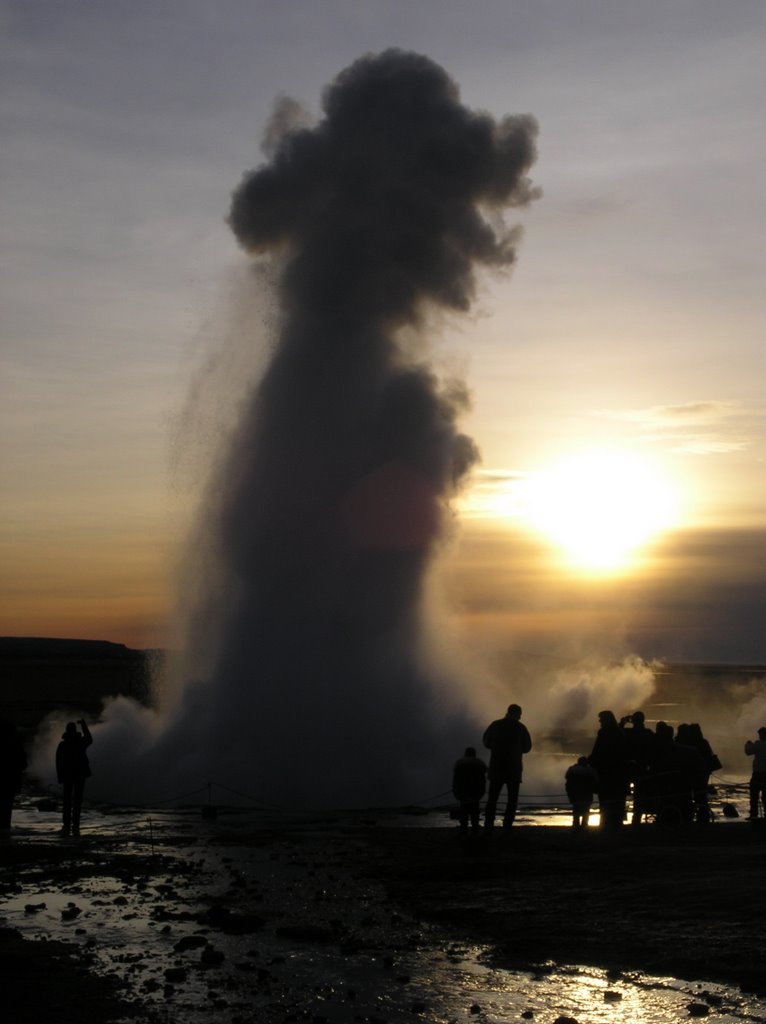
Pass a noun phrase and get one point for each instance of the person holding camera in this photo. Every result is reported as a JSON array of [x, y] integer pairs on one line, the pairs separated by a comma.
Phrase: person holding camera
[[72, 769]]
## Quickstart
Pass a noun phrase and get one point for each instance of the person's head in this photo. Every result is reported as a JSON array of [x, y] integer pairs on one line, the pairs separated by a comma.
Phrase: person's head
[[638, 718], [607, 720], [70, 731], [470, 751], [513, 712], [663, 731], [582, 759], [762, 732]]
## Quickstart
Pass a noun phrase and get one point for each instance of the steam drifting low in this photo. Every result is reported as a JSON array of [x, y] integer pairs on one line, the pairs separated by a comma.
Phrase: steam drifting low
[[303, 674]]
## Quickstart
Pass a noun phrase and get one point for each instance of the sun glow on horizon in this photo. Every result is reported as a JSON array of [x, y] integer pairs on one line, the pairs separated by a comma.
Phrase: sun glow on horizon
[[600, 508]]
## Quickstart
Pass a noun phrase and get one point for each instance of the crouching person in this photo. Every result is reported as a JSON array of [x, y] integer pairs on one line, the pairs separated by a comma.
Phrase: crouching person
[[581, 781], [469, 784]]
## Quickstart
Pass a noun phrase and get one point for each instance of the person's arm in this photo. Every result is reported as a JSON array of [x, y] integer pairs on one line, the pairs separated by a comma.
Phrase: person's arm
[[526, 740], [86, 732], [487, 737]]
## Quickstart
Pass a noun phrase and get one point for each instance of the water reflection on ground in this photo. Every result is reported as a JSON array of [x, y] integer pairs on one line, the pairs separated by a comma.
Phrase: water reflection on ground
[[200, 922]]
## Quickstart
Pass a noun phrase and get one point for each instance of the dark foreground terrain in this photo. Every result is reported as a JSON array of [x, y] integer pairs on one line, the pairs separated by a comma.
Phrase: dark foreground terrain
[[686, 904]]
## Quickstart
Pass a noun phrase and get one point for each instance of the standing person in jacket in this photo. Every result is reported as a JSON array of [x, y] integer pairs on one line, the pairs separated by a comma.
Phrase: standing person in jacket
[[72, 769], [640, 747], [611, 760], [757, 750], [508, 740], [469, 784], [13, 761]]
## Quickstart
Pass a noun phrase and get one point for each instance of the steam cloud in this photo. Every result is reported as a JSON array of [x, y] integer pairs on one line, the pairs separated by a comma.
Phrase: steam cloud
[[304, 679]]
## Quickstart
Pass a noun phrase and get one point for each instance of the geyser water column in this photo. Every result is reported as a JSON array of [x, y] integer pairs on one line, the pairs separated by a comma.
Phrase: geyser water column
[[322, 517]]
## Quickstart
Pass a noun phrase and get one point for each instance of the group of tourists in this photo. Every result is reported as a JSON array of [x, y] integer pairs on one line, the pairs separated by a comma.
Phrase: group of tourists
[[667, 771]]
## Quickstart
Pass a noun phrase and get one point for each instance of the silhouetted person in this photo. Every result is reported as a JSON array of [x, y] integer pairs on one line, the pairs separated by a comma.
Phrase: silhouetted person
[[581, 782], [610, 759], [508, 740], [757, 750], [13, 761], [677, 768], [469, 784], [72, 769], [691, 736], [639, 745]]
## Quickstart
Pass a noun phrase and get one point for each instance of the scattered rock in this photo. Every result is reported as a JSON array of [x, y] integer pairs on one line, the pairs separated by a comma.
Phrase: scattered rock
[[698, 1009], [475, 1008], [70, 912], [189, 942], [175, 974], [211, 957], [612, 997], [32, 908], [528, 1014], [566, 1020]]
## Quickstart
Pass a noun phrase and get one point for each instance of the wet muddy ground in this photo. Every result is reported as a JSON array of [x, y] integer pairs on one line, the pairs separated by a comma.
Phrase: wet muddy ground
[[237, 919]]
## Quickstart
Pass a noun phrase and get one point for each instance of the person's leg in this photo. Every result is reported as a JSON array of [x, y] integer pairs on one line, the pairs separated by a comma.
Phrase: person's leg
[[513, 802], [67, 820], [464, 807], [761, 791], [78, 787], [585, 813], [495, 785], [474, 814]]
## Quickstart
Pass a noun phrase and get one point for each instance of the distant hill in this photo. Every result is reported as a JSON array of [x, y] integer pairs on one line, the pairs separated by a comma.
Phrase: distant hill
[[39, 675]]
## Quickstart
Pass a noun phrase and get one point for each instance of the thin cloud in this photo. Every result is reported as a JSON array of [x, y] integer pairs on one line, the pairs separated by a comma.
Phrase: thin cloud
[[713, 427]]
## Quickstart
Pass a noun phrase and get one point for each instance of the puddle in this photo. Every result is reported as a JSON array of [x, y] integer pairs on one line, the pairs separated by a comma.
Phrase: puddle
[[198, 926]]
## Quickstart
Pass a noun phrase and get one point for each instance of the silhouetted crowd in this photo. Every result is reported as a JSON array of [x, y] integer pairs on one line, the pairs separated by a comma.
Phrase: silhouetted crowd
[[667, 773], [663, 772]]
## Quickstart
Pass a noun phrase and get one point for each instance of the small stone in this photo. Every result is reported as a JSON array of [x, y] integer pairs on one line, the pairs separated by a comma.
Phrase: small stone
[[475, 1008], [189, 942], [528, 1014], [175, 974], [211, 957], [612, 997], [698, 1009], [566, 1020]]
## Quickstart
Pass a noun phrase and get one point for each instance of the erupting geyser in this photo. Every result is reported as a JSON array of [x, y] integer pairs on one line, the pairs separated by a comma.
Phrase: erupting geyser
[[310, 685]]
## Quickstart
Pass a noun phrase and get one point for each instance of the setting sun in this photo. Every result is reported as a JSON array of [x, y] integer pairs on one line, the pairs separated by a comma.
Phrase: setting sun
[[600, 508]]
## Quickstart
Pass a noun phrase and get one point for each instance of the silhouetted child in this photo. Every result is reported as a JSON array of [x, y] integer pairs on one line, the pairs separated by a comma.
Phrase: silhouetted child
[[469, 783], [581, 782], [72, 769]]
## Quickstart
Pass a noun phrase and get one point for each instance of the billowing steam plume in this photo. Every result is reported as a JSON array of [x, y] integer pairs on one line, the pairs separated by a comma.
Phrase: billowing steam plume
[[310, 684]]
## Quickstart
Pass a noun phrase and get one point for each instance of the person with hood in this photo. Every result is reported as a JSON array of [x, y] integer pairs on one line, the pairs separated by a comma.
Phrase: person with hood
[[72, 769], [13, 761], [508, 740], [757, 750], [469, 783]]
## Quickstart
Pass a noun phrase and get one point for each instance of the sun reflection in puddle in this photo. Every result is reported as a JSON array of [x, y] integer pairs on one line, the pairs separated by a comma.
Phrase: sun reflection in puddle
[[135, 919]]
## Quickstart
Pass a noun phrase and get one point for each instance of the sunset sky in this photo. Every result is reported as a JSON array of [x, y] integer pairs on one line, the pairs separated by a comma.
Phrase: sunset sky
[[624, 356]]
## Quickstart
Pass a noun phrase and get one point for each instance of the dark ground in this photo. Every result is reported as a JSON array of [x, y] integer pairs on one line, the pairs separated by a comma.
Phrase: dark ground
[[683, 903]]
